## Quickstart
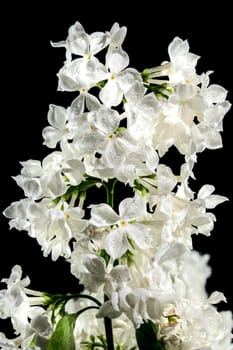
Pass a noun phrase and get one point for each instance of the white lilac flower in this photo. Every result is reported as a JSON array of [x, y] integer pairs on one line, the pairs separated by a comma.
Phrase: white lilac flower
[[173, 125], [83, 44], [179, 117], [177, 218], [125, 158], [210, 200], [50, 179], [183, 62], [119, 78], [191, 119], [163, 183], [54, 228], [122, 228], [14, 302], [138, 304], [17, 213], [194, 325], [211, 122], [58, 129], [43, 179], [83, 248], [95, 129], [117, 36], [84, 101], [193, 274], [83, 72], [111, 279], [167, 262], [141, 110], [151, 285], [20, 304]]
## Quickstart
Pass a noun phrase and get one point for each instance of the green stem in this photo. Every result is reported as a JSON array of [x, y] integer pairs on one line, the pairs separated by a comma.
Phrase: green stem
[[108, 329], [109, 333], [109, 186], [60, 298]]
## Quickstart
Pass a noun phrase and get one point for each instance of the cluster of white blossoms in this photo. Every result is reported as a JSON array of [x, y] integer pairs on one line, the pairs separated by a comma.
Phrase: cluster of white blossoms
[[144, 285]]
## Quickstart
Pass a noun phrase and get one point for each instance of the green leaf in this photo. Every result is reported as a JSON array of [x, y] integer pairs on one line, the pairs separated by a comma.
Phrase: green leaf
[[101, 84], [104, 255], [63, 337], [147, 339]]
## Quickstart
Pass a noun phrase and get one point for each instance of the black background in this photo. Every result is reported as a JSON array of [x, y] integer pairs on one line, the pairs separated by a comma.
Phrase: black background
[[28, 84]]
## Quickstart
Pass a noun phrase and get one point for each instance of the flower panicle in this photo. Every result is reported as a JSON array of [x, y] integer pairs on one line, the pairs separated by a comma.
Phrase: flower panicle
[[107, 200]]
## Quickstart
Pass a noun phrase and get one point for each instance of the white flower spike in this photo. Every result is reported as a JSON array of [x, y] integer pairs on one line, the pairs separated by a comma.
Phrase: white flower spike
[[144, 287]]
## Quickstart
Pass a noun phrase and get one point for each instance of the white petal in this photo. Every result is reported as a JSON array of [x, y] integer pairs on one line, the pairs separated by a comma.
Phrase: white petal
[[98, 41], [11, 211], [67, 83], [205, 223], [15, 276], [74, 170], [127, 78], [211, 201], [177, 47], [216, 297], [57, 116], [78, 105], [215, 200], [165, 179], [152, 158], [90, 73], [186, 91], [78, 41], [106, 120], [96, 266], [120, 274], [128, 208], [52, 161], [90, 142], [41, 324], [111, 94], [113, 156], [216, 94], [92, 102], [69, 76], [36, 210], [213, 139], [117, 60], [32, 188], [117, 35], [175, 253], [103, 215], [51, 136], [116, 244], [53, 184], [107, 310], [31, 168], [76, 224], [17, 209], [135, 93], [140, 235], [149, 104], [205, 191]]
